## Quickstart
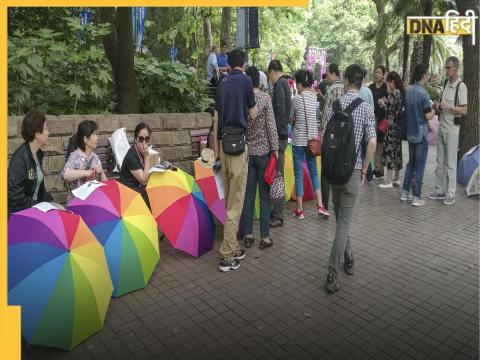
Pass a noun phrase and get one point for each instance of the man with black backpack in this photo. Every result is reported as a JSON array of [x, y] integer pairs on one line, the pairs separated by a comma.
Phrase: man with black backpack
[[451, 109], [349, 121]]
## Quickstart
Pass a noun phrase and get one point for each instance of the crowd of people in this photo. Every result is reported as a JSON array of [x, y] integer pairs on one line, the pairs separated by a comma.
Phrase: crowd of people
[[254, 118]]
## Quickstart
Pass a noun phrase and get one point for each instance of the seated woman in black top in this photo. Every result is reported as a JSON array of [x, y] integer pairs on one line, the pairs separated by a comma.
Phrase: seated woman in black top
[[135, 166], [26, 185]]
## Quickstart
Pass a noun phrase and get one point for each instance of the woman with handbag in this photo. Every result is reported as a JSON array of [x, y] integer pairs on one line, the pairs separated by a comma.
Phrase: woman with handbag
[[304, 140], [392, 144], [262, 145]]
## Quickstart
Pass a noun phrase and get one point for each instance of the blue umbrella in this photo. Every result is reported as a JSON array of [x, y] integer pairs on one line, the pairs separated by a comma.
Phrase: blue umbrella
[[467, 165]]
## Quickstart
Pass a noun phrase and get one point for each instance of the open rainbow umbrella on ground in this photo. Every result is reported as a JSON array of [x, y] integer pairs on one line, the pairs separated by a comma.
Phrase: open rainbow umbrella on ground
[[181, 211], [122, 222], [58, 274], [205, 179]]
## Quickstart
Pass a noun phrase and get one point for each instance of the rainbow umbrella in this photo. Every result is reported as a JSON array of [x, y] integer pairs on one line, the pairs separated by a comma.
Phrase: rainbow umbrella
[[289, 178], [181, 211], [205, 179], [122, 222], [58, 274]]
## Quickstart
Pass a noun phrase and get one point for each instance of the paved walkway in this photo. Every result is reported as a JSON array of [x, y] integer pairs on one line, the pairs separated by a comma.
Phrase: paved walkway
[[414, 295]]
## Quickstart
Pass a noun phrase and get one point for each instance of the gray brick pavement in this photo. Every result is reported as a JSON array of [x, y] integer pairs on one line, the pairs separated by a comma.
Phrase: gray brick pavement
[[414, 295]]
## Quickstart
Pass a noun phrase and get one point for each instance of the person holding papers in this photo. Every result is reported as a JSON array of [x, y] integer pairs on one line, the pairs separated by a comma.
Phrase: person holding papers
[[26, 185], [83, 164]]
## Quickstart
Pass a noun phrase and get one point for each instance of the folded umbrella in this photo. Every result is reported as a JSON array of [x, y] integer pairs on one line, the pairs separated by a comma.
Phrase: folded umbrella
[[122, 222], [205, 178], [58, 274]]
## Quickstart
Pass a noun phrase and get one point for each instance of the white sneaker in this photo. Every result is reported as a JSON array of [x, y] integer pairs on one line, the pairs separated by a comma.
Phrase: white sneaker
[[406, 196], [386, 186], [396, 183], [418, 202]]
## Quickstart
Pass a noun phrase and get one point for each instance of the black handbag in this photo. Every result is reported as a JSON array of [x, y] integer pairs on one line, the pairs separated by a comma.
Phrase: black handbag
[[233, 140]]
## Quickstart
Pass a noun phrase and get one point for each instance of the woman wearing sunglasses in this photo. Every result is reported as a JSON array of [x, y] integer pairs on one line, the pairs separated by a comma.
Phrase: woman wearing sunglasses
[[135, 166]]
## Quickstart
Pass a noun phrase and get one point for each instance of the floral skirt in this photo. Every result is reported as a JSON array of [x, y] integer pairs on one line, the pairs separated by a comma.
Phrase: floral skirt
[[392, 149]]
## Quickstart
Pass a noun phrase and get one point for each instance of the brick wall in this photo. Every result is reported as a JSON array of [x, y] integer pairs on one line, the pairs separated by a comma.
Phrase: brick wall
[[170, 136]]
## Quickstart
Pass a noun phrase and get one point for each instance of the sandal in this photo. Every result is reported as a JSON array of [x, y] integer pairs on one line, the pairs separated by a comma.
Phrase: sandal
[[263, 244], [249, 241]]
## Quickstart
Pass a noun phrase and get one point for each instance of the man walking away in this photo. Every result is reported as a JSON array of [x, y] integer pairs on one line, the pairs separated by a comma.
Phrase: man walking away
[[452, 104], [282, 103], [418, 112], [234, 103], [345, 196]]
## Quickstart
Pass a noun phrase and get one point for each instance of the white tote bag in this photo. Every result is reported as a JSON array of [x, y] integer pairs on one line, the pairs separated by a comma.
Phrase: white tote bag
[[120, 146]]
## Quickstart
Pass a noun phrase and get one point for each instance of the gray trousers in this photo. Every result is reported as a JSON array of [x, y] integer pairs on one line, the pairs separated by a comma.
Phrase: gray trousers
[[446, 171], [344, 199], [279, 204]]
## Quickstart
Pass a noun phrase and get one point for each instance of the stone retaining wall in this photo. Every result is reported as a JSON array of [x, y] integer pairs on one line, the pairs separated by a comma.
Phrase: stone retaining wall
[[170, 136]]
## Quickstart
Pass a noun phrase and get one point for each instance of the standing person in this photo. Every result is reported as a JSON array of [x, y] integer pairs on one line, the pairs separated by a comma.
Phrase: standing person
[[263, 81], [262, 141], [222, 60], [418, 112], [335, 91], [366, 95], [305, 127], [379, 91], [235, 102], [392, 144], [213, 72], [83, 164], [452, 103], [345, 196], [282, 103], [135, 166], [26, 185]]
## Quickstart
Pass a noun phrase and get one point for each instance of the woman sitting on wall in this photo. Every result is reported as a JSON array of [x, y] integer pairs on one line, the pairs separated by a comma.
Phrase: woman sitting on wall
[[135, 166], [83, 164], [26, 185]]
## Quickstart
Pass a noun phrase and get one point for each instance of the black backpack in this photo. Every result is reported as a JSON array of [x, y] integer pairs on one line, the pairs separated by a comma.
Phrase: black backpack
[[339, 153]]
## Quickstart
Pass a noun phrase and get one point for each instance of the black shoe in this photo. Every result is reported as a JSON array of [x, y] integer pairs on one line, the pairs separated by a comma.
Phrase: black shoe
[[249, 241], [226, 266], [239, 255], [332, 284], [348, 266], [264, 244], [276, 223]]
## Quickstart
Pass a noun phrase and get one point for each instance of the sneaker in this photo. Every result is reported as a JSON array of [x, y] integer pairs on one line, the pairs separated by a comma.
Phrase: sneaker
[[417, 201], [406, 196], [396, 183], [386, 186], [435, 196], [322, 211], [226, 266], [449, 200], [265, 243], [348, 266], [299, 214], [332, 284], [239, 255], [249, 241]]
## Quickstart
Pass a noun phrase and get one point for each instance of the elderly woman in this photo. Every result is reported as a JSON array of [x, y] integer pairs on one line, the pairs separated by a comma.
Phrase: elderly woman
[[83, 164], [262, 141], [26, 185], [305, 127], [135, 166]]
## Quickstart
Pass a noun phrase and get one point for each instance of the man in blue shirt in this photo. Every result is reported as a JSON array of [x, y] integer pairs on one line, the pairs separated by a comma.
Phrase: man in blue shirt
[[234, 104], [418, 112], [222, 60]]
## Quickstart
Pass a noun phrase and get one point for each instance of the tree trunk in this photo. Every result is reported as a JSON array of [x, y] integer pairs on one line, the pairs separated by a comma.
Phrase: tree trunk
[[379, 51], [469, 131], [226, 26], [406, 48], [427, 40], [207, 35], [119, 50], [416, 54]]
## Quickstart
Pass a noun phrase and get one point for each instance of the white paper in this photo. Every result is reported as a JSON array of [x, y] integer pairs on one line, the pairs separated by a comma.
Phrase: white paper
[[219, 182], [86, 189], [156, 168], [120, 146], [45, 206]]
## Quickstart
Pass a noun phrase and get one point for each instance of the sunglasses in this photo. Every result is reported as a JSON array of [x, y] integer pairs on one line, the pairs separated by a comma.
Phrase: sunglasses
[[449, 67], [141, 139]]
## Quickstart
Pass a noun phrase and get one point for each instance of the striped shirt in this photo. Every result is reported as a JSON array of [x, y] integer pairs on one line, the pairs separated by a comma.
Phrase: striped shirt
[[299, 133], [363, 118], [335, 91]]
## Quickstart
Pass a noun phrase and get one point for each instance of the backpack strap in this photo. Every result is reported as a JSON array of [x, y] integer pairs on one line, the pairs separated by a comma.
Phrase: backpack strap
[[353, 105], [455, 102], [337, 106]]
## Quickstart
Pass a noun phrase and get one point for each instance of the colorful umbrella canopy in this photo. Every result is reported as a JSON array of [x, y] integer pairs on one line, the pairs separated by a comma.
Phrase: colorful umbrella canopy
[[205, 179], [122, 222], [58, 274], [181, 211], [289, 177]]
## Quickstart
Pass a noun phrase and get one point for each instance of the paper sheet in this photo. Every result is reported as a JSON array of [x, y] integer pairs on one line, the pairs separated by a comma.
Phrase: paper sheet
[[45, 206], [86, 189], [219, 182], [157, 168]]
